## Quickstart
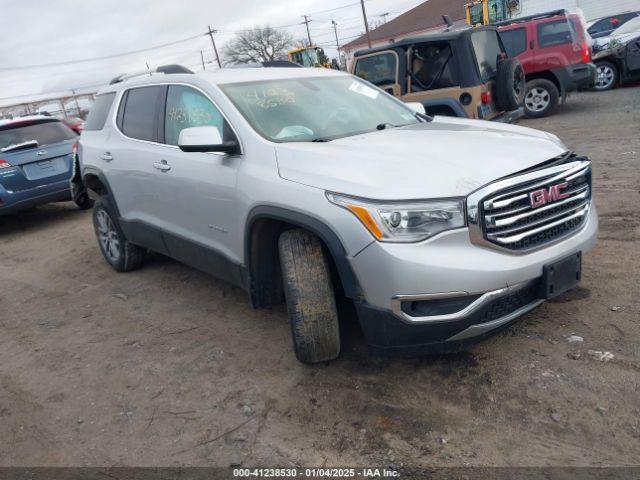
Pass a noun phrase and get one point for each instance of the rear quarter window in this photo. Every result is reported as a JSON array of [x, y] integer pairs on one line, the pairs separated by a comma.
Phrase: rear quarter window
[[559, 32], [515, 41], [99, 111], [378, 69]]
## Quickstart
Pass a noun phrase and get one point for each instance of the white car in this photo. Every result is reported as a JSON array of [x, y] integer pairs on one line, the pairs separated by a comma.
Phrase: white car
[[310, 184], [619, 36]]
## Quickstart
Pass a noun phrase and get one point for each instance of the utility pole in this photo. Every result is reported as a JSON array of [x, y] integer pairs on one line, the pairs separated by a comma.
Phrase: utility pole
[[202, 58], [213, 42], [335, 30], [306, 22], [366, 24], [75, 98]]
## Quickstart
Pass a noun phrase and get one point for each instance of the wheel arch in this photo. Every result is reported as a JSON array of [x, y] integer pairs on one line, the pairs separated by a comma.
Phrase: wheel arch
[[262, 267], [547, 75]]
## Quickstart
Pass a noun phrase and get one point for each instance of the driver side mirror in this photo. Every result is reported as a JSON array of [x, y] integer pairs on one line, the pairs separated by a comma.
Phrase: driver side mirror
[[417, 107], [206, 139]]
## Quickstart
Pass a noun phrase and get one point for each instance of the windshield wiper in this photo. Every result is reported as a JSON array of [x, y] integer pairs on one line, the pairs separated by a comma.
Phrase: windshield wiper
[[20, 146], [425, 117], [383, 126], [320, 140]]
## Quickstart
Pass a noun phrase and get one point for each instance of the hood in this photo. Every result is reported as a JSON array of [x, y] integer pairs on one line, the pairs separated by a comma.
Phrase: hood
[[448, 157]]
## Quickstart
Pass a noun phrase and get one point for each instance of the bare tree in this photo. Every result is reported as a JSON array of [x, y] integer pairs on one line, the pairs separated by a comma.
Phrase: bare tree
[[260, 44]]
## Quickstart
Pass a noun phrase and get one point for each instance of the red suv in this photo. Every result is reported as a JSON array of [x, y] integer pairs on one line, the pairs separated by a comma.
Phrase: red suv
[[555, 51]]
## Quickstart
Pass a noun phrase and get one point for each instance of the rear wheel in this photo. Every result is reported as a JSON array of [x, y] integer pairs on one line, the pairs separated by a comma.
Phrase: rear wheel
[[541, 98], [607, 76], [510, 84], [121, 254], [310, 298]]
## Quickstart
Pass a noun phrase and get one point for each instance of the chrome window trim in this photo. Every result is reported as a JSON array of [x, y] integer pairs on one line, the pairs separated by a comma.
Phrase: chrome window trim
[[396, 303], [565, 171], [122, 91]]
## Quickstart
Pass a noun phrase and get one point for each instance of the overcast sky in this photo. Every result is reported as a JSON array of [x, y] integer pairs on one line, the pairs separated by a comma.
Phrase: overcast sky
[[36, 32]]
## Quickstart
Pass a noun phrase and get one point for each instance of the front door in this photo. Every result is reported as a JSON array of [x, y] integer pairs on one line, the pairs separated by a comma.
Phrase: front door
[[197, 190]]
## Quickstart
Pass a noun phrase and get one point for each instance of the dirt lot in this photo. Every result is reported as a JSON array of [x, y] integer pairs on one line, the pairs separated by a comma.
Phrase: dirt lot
[[167, 366]]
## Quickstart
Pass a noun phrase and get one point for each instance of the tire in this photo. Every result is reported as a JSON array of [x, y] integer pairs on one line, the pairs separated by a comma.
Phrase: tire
[[607, 76], [541, 98], [122, 255], [310, 298], [83, 201], [510, 84]]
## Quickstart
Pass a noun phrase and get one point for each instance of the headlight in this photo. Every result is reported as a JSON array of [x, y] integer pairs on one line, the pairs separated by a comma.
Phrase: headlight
[[404, 221]]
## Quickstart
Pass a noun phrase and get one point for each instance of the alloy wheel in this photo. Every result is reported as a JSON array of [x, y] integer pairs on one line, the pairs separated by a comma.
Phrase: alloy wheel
[[537, 100], [108, 236], [605, 77]]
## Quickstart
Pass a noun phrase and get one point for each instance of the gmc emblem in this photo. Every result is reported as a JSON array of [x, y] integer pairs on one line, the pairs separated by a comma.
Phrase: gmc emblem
[[552, 194]]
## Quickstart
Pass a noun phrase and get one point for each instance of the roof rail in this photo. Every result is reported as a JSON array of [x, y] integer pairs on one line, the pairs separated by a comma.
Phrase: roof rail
[[165, 69], [537, 16]]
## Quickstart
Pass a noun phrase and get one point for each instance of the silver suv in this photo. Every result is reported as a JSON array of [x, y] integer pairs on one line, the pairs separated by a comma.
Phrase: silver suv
[[311, 184]]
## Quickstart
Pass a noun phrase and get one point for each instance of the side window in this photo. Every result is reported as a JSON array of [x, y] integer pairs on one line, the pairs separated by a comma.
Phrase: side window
[[378, 69], [515, 41], [554, 33], [432, 67], [603, 25], [186, 108], [139, 119], [99, 112]]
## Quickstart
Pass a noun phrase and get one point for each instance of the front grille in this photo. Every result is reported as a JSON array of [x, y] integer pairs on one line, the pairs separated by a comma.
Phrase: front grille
[[529, 215]]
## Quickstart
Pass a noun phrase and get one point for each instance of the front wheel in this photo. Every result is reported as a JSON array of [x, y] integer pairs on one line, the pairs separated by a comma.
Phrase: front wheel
[[541, 98], [310, 298], [607, 76]]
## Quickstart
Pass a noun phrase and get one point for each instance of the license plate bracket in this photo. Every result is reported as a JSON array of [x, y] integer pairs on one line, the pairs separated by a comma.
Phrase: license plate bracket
[[560, 276]]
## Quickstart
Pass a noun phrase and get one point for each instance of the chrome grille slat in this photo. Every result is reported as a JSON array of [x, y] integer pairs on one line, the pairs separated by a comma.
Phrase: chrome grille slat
[[571, 174], [499, 219], [527, 212], [516, 238], [555, 216]]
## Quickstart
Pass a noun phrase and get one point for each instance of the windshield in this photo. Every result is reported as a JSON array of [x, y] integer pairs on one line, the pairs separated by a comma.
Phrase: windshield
[[306, 58], [45, 133], [316, 109]]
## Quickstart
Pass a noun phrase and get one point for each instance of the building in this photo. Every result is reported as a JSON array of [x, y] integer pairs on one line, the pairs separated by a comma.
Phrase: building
[[419, 20]]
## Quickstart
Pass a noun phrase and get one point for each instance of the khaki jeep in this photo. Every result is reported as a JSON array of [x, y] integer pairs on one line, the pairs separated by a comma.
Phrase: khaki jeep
[[462, 73]]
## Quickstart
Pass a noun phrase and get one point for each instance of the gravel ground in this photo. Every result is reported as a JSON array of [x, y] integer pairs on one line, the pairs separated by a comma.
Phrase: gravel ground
[[167, 366]]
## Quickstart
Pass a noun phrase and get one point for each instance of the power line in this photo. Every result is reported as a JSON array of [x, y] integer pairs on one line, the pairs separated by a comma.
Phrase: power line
[[105, 57]]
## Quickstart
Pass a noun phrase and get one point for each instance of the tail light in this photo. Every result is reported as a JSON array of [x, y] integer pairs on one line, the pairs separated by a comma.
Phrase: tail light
[[4, 164], [586, 53], [485, 97]]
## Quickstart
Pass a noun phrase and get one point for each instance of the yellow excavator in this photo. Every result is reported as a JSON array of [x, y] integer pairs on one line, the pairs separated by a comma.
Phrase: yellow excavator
[[485, 12], [311, 56]]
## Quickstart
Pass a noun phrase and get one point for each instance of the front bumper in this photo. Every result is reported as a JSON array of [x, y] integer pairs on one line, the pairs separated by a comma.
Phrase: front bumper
[[449, 265]]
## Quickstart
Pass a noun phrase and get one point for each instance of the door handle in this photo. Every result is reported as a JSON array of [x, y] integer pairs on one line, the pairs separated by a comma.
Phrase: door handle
[[106, 156], [162, 165]]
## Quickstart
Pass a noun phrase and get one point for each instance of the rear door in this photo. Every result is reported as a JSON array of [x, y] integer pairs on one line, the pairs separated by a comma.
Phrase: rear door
[[40, 155], [516, 43], [381, 69], [130, 162]]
